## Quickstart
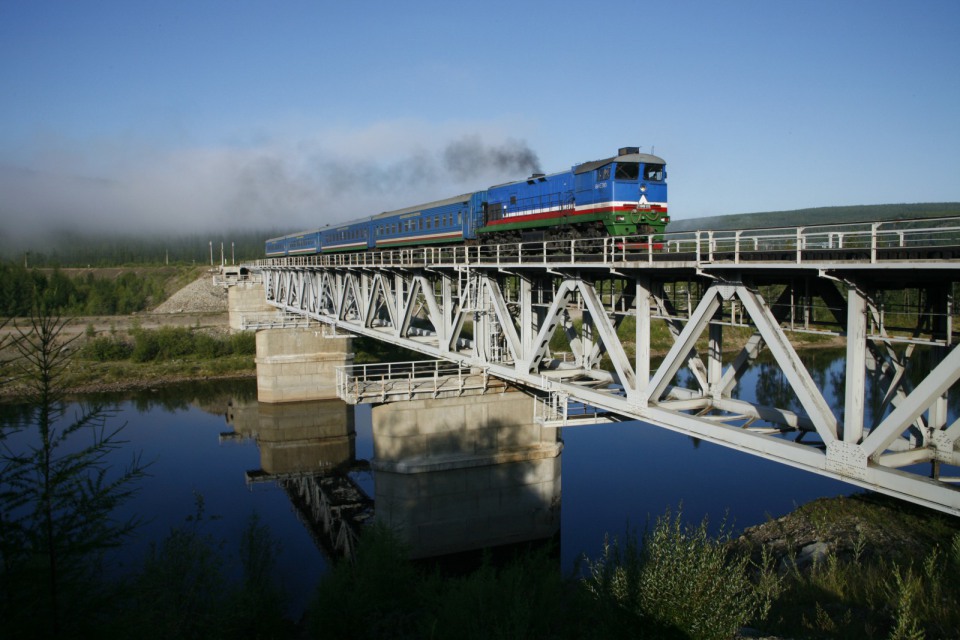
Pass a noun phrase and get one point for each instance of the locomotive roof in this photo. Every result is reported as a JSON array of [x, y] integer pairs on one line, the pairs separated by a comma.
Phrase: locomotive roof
[[426, 205], [628, 157]]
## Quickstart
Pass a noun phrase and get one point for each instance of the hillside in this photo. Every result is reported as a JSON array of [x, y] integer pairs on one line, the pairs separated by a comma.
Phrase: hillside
[[818, 216]]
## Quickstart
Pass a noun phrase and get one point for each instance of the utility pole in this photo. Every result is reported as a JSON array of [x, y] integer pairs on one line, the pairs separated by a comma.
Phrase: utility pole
[[211, 254], [233, 255]]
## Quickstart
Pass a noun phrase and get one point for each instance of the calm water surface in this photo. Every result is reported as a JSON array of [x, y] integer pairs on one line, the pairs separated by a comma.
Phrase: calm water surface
[[613, 476]]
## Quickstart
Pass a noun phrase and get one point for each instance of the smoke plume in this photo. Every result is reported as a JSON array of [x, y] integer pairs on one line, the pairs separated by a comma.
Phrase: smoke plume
[[469, 156]]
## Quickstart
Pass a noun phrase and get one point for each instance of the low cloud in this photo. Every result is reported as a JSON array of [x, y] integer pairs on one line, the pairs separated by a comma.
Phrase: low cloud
[[308, 182]]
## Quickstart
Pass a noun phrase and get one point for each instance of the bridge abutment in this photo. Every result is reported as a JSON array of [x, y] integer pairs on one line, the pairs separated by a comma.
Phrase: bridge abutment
[[295, 365]]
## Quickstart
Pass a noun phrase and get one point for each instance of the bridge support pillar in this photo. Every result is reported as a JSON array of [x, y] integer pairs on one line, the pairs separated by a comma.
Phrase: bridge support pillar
[[461, 474], [246, 298], [294, 365]]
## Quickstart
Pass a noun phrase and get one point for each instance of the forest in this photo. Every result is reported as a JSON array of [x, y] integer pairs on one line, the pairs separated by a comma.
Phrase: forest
[[72, 249], [22, 290]]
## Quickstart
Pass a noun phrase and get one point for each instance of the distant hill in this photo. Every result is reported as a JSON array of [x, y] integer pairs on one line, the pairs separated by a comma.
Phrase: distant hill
[[818, 216]]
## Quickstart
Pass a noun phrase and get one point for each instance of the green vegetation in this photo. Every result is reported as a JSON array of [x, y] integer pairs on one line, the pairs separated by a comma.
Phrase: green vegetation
[[183, 588], [887, 570], [22, 290], [160, 354], [680, 577], [894, 581]]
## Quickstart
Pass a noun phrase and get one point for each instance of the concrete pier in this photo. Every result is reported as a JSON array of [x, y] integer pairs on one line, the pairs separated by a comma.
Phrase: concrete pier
[[246, 298], [295, 365], [462, 474]]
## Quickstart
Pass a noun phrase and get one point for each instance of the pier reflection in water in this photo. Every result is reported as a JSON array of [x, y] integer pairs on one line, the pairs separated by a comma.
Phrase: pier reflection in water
[[449, 476]]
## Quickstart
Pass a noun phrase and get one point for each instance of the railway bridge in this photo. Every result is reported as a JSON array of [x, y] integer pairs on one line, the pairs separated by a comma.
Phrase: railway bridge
[[575, 323]]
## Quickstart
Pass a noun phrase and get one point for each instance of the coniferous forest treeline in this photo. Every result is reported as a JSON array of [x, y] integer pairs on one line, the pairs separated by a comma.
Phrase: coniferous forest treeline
[[70, 249], [22, 290], [73, 249]]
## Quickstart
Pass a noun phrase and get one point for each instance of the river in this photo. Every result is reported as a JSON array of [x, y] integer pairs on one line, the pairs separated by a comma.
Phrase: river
[[614, 476]]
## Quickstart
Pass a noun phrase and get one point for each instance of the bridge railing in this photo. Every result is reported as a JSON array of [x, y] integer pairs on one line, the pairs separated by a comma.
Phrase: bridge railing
[[383, 381], [867, 241], [864, 240]]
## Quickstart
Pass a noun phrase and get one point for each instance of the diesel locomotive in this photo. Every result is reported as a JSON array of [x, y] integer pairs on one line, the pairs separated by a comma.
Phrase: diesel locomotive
[[625, 195]]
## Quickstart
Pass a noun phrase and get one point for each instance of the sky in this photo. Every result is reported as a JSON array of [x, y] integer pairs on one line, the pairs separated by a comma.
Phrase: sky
[[190, 116]]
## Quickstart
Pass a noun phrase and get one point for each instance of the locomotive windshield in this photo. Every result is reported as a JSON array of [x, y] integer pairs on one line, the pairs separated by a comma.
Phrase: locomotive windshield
[[627, 171], [653, 172]]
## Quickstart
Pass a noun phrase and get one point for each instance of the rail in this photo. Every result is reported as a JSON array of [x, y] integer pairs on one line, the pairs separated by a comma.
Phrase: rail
[[867, 242], [558, 409], [229, 280], [275, 320]]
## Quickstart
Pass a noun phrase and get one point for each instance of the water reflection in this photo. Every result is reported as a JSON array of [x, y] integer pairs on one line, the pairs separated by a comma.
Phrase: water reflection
[[450, 476]]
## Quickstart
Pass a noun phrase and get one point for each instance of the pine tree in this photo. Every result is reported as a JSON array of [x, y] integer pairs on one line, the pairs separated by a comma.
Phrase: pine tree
[[58, 492]]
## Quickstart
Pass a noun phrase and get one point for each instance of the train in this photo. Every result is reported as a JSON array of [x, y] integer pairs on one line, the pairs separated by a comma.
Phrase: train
[[624, 195]]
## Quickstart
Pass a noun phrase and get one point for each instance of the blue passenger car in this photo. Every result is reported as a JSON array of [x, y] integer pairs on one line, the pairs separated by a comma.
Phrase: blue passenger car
[[294, 244], [276, 247], [354, 236], [451, 220]]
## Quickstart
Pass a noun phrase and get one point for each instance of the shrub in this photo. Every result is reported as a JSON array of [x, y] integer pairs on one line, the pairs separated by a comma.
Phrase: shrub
[[146, 346], [681, 578], [243, 344], [207, 346], [165, 343], [107, 349]]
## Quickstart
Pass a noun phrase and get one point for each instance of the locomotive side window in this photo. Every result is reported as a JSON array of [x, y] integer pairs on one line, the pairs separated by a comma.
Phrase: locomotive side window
[[627, 171], [653, 172], [603, 173]]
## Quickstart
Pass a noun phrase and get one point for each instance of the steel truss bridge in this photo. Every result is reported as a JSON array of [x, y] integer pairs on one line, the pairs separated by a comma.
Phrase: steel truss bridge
[[574, 322]]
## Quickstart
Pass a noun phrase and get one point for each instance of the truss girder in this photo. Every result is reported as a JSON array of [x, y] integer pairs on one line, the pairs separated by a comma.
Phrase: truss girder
[[521, 310]]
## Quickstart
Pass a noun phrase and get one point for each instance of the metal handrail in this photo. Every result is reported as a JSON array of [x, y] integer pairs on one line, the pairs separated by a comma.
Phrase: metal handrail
[[702, 246]]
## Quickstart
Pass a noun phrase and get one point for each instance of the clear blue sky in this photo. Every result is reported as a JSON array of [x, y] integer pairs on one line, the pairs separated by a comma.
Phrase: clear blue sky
[[274, 114]]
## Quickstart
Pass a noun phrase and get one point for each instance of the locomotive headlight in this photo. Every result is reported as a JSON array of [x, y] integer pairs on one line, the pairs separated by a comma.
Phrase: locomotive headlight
[[643, 188]]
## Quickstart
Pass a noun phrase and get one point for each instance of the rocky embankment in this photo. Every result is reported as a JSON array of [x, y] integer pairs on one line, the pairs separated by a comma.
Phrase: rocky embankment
[[200, 296]]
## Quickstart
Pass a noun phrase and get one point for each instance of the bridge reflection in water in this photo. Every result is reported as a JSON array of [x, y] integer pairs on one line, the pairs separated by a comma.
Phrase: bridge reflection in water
[[449, 476]]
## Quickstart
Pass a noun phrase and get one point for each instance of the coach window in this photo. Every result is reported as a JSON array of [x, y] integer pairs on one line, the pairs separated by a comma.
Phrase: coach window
[[627, 171]]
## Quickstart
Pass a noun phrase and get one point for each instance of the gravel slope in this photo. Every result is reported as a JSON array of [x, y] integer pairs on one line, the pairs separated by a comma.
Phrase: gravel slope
[[200, 296]]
